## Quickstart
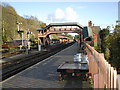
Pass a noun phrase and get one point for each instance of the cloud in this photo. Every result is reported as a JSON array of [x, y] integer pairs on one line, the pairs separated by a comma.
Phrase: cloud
[[60, 15], [71, 15]]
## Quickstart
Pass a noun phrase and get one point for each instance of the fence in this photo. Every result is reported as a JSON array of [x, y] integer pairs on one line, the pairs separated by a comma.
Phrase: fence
[[102, 73]]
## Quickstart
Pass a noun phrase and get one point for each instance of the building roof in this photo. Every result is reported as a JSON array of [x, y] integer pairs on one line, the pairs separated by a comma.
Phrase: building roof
[[66, 24], [62, 37], [96, 29], [54, 39], [87, 32], [39, 29]]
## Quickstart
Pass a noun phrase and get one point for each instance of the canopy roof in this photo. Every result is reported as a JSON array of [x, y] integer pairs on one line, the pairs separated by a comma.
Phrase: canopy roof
[[61, 24]]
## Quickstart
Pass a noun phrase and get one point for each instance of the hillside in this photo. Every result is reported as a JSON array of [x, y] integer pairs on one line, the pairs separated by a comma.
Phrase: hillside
[[9, 20]]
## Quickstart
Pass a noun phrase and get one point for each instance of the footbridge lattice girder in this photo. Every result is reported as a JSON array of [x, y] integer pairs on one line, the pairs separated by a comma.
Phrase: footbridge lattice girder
[[54, 28], [59, 30]]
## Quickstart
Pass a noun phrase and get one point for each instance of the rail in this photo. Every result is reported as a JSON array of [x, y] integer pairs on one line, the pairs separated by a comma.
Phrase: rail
[[13, 67], [102, 73], [12, 53]]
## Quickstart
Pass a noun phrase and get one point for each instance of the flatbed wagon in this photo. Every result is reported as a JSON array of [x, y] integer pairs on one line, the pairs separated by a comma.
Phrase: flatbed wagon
[[71, 68]]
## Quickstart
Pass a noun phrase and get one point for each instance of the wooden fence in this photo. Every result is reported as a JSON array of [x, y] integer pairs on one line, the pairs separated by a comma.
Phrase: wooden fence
[[102, 73]]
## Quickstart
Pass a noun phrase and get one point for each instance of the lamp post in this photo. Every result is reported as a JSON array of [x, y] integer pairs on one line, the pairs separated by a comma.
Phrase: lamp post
[[28, 36], [20, 32], [18, 25], [28, 41]]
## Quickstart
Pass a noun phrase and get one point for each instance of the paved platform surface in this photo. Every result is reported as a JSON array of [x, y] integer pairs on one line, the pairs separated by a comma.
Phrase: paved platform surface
[[44, 74]]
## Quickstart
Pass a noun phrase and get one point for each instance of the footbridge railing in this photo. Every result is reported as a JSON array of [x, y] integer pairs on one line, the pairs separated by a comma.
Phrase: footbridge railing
[[102, 73]]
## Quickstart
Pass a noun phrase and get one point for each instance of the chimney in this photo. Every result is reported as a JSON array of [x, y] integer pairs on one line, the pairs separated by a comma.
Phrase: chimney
[[90, 24]]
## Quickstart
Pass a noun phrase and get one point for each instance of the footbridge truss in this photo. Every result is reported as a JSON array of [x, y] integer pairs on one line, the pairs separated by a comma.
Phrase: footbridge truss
[[54, 28]]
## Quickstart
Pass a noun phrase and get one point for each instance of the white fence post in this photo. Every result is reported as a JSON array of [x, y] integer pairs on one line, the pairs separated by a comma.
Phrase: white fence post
[[119, 82], [115, 79], [39, 47]]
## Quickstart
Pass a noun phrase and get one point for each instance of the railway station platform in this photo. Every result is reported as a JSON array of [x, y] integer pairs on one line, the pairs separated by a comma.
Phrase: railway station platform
[[44, 74]]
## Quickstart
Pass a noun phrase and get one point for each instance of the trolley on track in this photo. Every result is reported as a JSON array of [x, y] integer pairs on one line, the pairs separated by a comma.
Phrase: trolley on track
[[73, 68]]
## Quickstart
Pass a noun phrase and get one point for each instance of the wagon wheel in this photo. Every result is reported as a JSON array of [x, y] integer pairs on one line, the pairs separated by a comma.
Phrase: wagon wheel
[[60, 78], [87, 76]]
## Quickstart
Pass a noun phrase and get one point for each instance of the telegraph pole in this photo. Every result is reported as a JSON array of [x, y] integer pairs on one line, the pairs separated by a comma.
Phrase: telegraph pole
[[3, 33], [3, 29]]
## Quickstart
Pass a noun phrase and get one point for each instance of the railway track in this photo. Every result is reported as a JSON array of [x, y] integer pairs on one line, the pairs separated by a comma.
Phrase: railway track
[[13, 67], [9, 54]]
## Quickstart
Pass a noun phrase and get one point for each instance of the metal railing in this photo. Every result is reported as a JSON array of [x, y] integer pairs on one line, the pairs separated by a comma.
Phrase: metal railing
[[58, 30], [102, 73]]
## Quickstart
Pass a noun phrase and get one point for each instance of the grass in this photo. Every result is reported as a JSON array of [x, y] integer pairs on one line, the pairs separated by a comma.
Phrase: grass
[[9, 49]]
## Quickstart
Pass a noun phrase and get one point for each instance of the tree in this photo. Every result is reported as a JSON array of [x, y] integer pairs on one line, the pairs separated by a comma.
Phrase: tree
[[113, 47], [103, 34], [77, 37], [9, 27]]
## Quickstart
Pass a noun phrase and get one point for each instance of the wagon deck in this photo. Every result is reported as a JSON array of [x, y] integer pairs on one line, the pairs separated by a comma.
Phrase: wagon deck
[[76, 66]]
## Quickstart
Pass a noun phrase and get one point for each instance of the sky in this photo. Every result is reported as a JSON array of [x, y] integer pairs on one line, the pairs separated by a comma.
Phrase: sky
[[100, 13]]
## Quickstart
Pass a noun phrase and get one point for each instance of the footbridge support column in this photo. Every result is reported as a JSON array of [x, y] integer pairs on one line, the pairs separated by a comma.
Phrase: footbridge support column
[[45, 40]]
